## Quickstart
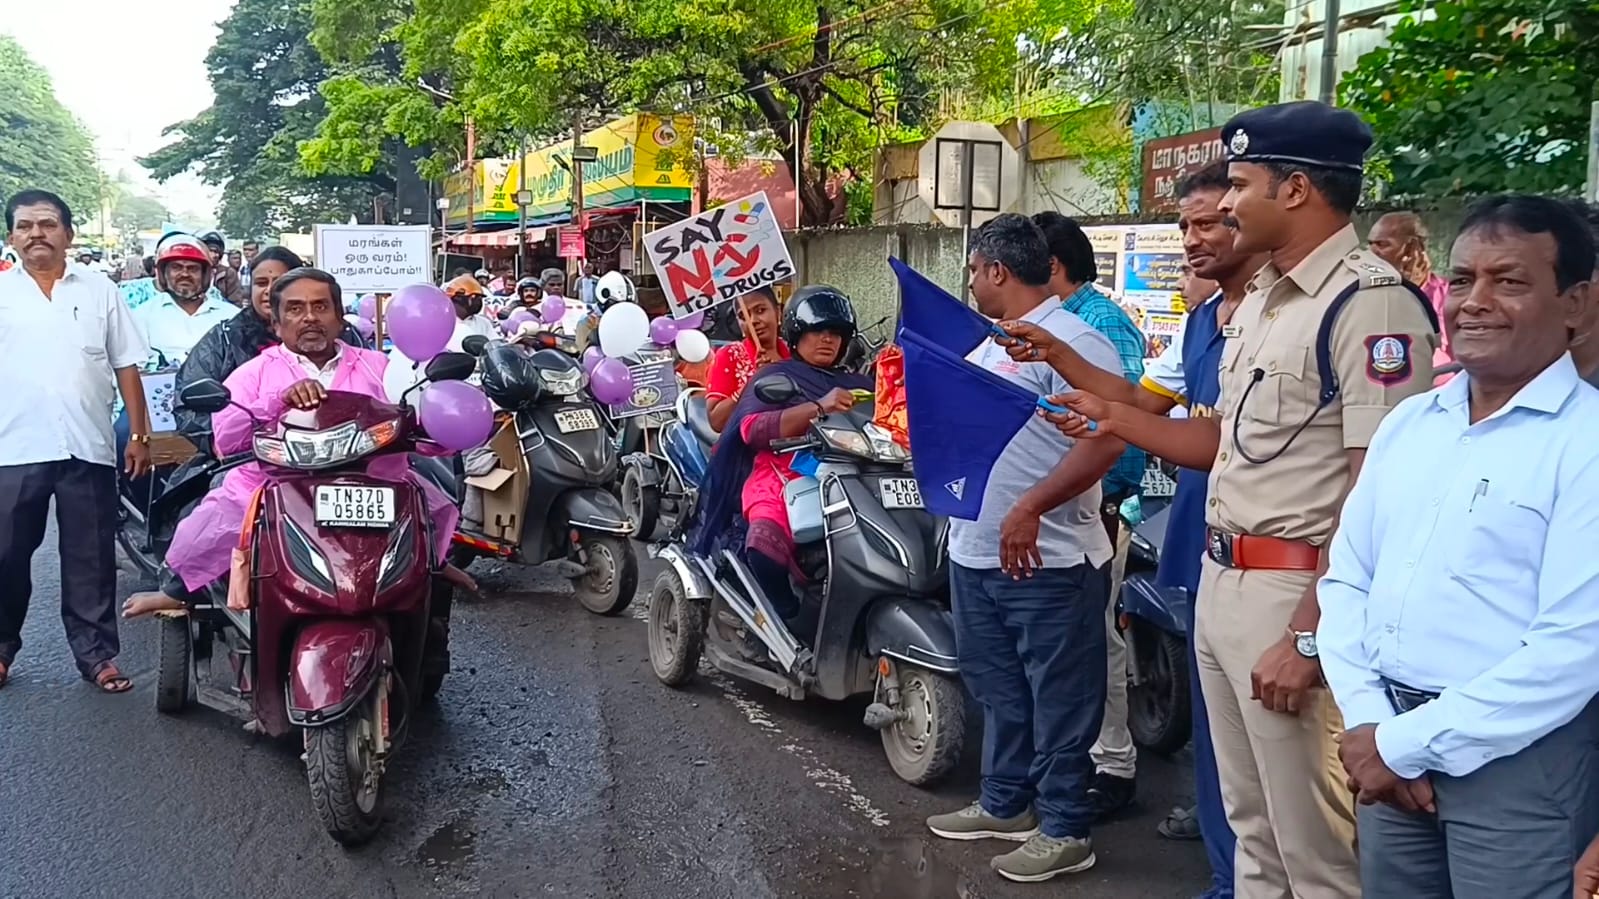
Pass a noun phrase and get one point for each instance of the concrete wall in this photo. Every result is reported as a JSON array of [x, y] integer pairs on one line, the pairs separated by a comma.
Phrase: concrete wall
[[855, 260]]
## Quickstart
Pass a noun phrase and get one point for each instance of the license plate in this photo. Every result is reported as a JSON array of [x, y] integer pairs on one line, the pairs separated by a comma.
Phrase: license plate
[[569, 420], [900, 493], [354, 507]]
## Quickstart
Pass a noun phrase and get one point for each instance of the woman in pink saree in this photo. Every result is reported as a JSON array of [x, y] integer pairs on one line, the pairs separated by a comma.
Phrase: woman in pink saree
[[297, 374]]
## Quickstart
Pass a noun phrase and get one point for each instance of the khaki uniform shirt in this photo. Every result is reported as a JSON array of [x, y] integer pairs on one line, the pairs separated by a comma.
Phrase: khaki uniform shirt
[[1382, 348]]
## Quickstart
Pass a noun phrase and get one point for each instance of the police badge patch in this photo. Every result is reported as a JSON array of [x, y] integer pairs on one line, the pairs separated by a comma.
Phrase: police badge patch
[[1388, 359], [1240, 142]]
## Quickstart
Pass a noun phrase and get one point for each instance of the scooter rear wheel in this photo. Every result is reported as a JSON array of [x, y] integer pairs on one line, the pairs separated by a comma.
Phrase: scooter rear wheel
[[642, 503], [338, 757], [927, 743], [676, 631], [1159, 713]]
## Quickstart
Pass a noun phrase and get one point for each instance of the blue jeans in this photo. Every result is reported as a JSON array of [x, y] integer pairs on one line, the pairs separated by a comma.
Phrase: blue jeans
[[1213, 827], [1032, 652], [124, 432]]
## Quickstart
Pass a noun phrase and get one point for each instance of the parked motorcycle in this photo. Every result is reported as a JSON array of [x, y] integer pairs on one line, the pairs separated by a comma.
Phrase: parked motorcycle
[[1154, 621], [346, 630], [547, 499], [877, 587]]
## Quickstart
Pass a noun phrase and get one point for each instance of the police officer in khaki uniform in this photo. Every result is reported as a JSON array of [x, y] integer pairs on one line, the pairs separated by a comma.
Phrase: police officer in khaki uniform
[[1327, 340]]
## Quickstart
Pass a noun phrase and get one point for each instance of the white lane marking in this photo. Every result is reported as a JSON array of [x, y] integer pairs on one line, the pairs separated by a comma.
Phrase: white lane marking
[[829, 780]]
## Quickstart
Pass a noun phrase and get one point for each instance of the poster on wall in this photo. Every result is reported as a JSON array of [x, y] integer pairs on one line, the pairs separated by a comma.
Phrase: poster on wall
[[1152, 266], [1107, 244], [718, 255]]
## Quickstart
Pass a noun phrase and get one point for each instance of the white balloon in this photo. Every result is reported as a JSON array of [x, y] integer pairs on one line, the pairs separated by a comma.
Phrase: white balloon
[[623, 328], [693, 346]]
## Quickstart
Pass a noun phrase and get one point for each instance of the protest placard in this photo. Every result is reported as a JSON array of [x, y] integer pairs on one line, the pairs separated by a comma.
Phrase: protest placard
[[719, 254], [374, 258], [654, 385]]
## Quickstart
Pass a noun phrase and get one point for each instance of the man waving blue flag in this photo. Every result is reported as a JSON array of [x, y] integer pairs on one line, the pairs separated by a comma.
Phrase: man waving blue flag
[[1029, 575]]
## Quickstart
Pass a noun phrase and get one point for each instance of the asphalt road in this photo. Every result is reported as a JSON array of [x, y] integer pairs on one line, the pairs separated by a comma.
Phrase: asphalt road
[[554, 764]]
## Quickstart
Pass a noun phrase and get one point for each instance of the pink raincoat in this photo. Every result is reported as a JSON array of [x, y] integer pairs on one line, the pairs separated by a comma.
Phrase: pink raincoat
[[203, 543]]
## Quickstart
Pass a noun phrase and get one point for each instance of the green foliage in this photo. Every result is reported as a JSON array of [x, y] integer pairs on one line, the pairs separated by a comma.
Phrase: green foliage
[[266, 79], [41, 145], [1478, 96], [838, 76], [135, 212]]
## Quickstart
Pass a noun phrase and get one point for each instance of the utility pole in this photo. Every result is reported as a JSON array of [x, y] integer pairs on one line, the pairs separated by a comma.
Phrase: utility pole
[[521, 211], [574, 268], [1329, 53], [1591, 191]]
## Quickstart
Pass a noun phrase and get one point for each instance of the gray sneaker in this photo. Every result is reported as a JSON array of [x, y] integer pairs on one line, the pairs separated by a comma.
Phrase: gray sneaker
[[972, 823], [1042, 857]]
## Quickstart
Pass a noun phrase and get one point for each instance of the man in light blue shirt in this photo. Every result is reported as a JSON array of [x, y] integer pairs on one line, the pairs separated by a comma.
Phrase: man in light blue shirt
[[1028, 586], [1460, 611]]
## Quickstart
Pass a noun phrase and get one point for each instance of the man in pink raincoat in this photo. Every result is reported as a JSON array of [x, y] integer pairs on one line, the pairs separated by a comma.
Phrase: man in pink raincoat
[[297, 374]]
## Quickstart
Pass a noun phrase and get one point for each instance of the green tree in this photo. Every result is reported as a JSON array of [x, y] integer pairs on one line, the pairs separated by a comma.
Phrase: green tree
[[136, 212], [1478, 96], [827, 79], [41, 144], [265, 77]]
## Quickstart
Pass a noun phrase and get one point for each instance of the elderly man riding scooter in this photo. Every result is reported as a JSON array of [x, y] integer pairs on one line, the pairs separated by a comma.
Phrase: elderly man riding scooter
[[297, 374]]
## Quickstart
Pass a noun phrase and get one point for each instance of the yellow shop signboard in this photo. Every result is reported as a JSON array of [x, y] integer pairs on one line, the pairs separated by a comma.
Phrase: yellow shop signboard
[[641, 157]]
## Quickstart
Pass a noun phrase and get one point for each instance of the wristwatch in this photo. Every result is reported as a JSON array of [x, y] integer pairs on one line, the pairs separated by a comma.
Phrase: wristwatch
[[1304, 642], [139, 438]]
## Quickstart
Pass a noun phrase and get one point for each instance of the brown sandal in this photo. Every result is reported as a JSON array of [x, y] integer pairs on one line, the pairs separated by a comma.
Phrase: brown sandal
[[110, 680]]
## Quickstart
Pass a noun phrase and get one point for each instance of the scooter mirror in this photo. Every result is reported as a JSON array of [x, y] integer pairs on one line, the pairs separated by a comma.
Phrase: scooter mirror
[[207, 395], [475, 345], [776, 390], [451, 367]]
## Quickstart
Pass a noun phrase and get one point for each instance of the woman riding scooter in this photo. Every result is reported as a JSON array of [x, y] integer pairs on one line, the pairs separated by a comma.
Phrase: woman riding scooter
[[818, 324]]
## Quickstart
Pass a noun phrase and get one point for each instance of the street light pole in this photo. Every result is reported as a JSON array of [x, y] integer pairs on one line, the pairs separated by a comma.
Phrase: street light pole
[[574, 268], [1329, 53], [443, 205], [523, 199]]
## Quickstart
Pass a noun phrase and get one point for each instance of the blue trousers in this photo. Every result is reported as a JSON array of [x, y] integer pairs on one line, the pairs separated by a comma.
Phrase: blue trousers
[[1032, 652], [1217, 833]]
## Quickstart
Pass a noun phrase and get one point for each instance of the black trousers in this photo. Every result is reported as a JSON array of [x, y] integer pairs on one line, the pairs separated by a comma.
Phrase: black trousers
[[86, 519]]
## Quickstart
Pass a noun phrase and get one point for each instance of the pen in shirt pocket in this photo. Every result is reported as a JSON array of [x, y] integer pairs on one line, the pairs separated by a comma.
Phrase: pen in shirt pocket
[[1482, 490]]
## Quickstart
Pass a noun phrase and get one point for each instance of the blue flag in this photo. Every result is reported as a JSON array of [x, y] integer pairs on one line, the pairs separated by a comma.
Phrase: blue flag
[[960, 418], [940, 319]]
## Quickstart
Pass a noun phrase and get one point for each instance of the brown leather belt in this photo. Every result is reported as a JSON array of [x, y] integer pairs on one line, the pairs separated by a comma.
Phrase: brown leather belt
[[1247, 551]]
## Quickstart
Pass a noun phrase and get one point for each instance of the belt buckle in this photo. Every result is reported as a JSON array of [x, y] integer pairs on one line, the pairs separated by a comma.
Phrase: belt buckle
[[1220, 547]]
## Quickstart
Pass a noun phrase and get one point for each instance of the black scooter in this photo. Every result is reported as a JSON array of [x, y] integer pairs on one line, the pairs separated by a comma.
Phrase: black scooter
[[1154, 621], [877, 588], [560, 457]]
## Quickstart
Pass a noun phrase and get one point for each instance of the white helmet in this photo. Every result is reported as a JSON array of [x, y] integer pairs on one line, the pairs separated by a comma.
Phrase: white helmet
[[614, 287]]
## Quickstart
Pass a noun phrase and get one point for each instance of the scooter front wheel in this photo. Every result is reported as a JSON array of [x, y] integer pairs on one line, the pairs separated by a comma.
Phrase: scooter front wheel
[[172, 693], [611, 578], [676, 630], [345, 774], [926, 742]]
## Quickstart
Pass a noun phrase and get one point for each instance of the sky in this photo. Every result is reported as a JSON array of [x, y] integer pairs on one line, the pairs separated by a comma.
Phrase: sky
[[127, 72]]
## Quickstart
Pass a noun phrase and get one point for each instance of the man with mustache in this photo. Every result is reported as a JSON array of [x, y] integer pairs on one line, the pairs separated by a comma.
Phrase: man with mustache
[[184, 311], [66, 344], [1460, 611]]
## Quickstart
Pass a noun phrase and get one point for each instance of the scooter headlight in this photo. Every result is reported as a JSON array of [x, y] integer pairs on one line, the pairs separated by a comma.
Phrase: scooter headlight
[[562, 383], [312, 450], [871, 442]]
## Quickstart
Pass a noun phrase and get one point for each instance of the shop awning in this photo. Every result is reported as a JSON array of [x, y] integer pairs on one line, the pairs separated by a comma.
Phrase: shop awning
[[505, 238]]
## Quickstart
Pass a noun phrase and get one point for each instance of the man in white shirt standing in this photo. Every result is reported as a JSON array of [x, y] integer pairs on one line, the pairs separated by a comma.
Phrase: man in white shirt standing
[[68, 343], [1460, 610], [175, 320]]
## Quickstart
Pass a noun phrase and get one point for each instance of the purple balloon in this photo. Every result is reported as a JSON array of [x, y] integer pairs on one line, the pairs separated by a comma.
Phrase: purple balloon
[[591, 358], [365, 328], [690, 322], [663, 330], [611, 381], [455, 415], [368, 307], [515, 321], [551, 310], [420, 320]]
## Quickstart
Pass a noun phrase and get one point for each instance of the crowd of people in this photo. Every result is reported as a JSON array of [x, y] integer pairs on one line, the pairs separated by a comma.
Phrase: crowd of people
[[1393, 621]]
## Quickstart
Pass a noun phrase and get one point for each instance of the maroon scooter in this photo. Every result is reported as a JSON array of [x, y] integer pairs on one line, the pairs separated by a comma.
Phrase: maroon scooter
[[347, 627]]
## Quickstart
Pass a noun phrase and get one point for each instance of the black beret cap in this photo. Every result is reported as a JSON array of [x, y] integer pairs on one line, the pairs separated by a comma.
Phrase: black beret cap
[[1304, 132]]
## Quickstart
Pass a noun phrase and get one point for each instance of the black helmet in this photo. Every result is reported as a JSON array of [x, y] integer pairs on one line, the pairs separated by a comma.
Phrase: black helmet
[[817, 308], [213, 238], [527, 282]]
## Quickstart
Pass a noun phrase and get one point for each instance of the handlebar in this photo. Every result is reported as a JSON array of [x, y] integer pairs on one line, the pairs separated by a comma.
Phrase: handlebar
[[792, 444]]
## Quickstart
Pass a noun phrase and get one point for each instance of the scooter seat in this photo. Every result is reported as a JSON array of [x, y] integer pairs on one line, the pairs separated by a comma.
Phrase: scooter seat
[[698, 418]]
